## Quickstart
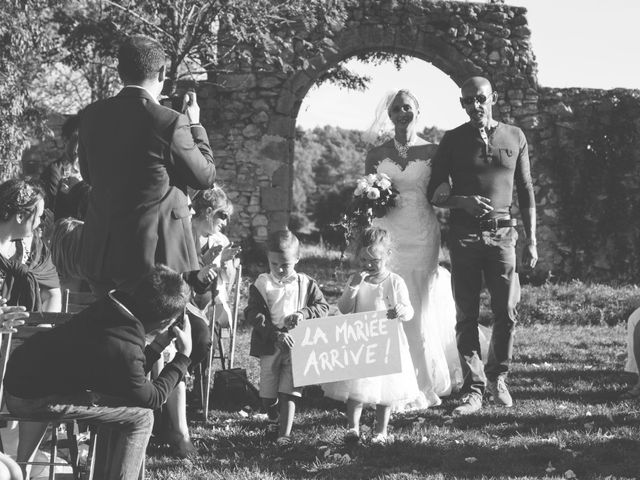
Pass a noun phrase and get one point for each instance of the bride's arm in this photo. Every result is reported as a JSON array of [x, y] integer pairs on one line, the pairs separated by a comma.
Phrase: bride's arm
[[371, 162]]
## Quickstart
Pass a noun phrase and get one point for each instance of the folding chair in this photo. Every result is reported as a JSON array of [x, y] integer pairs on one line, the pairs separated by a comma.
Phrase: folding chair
[[218, 332], [42, 321], [74, 302]]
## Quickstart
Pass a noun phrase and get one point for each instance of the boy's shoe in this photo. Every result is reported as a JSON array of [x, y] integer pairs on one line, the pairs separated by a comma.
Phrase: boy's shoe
[[381, 439], [271, 430], [352, 436], [283, 441], [471, 403], [499, 393]]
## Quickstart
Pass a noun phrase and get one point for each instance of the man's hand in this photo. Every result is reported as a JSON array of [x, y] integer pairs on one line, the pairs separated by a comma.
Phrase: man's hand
[[441, 194], [292, 321], [400, 311], [11, 317], [530, 255], [191, 107], [285, 340], [475, 205], [183, 337]]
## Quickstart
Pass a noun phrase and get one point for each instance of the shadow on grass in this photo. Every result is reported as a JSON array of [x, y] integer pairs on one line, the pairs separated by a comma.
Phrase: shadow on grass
[[304, 459]]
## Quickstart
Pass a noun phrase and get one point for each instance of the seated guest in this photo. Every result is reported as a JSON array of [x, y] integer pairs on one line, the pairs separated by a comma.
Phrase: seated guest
[[212, 210], [66, 239], [633, 354], [61, 175], [29, 276], [93, 368]]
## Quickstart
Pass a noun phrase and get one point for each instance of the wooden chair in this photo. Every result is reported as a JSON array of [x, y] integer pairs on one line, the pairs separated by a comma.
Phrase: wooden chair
[[219, 336], [38, 322]]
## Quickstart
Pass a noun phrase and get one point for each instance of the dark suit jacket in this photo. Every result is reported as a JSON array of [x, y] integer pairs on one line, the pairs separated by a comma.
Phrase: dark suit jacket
[[139, 157], [102, 349]]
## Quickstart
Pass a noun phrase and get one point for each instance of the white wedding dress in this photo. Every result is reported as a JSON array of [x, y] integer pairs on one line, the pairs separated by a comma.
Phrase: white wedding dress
[[415, 233]]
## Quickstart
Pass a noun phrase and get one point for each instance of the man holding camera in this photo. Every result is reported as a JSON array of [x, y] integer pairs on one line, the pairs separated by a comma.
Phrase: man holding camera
[[140, 157], [93, 368]]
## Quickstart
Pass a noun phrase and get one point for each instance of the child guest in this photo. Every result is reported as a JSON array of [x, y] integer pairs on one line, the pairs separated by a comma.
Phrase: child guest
[[376, 288], [278, 301]]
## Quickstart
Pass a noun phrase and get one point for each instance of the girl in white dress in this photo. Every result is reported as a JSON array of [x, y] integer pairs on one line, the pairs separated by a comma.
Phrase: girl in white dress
[[415, 230], [376, 288]]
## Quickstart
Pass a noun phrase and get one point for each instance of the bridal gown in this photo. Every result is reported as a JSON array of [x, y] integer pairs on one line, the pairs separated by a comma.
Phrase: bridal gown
[[415, 233]]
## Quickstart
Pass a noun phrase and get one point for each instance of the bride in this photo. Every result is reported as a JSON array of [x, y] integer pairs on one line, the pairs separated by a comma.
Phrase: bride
[[415, 231]]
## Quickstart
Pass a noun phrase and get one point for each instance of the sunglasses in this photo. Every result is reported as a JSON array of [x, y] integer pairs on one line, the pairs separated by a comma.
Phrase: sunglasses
[[481, 99], [222, 215]]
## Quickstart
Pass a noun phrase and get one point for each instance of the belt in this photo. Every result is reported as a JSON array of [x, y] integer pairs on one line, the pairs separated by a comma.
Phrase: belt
[[495, 223]]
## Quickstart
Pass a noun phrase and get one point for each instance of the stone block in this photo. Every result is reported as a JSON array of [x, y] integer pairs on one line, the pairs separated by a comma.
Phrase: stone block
[[232, 82], [251, 131], [260, 117], [522, 31], [278, 220], [281, 125], [274, 198], [282, 177], [528, 122], [269, 82]]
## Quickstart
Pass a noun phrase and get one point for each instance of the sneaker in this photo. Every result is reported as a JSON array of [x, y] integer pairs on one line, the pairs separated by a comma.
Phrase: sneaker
[[381, 439], [283, 441], [471, 403], [352, 436], [499, 393]]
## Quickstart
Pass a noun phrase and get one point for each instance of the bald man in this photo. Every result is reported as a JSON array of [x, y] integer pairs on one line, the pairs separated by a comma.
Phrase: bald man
[[474, 172]]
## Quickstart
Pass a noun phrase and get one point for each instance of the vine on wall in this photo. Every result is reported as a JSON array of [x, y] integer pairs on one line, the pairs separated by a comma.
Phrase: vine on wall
[[597, 168]]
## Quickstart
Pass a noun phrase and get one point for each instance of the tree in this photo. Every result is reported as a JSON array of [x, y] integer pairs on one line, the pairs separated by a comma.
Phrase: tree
[[202, 38], [28, 47]]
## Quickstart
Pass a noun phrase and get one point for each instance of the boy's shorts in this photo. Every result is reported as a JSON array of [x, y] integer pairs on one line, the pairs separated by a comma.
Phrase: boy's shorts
[[276, 375]]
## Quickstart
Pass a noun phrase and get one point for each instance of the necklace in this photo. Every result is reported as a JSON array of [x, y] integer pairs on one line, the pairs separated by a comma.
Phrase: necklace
[[402, 148]]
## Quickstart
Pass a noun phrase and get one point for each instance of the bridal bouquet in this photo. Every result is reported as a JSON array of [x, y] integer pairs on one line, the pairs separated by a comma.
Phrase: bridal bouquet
[[372, 198]]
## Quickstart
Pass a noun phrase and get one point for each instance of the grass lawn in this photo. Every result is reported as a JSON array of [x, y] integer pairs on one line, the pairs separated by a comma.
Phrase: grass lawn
[[565, 379]]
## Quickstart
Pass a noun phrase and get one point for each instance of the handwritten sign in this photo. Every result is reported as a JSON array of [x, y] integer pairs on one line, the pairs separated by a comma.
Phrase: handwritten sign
[[343, 347]]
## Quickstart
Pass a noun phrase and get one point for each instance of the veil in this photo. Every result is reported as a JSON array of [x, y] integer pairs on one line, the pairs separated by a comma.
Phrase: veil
[[381, 128]]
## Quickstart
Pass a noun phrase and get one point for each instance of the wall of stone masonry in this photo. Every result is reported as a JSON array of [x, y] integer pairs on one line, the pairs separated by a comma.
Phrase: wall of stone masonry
[[251, 112], [587, 172]]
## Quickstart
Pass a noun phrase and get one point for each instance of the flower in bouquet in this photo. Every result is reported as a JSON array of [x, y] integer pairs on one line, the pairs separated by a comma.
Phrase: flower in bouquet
[[372, 198]]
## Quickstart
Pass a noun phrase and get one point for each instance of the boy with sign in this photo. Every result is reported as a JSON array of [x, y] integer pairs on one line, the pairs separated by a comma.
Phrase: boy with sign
[[278, 301], [376, 288]]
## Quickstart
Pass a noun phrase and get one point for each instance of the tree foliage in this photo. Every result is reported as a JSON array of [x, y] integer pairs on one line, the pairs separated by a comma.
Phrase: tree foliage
[[28, 46], [328, 161]]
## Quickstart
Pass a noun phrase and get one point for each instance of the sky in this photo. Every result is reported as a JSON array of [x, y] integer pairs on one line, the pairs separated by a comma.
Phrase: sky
[[577, 43]]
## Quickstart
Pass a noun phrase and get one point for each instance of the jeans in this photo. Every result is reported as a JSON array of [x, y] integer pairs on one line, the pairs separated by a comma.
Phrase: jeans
[[123, 431], [492, 253]]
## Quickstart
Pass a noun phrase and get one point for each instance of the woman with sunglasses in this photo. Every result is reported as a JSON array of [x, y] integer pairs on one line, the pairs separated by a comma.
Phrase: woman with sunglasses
[[212, 210], [27, 274]]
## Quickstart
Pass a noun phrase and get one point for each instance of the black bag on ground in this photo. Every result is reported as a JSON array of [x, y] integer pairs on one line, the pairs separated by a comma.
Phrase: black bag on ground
[[233, 391]]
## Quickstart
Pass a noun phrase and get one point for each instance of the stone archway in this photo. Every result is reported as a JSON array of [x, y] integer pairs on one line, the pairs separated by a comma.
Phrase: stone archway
[[253, 113]]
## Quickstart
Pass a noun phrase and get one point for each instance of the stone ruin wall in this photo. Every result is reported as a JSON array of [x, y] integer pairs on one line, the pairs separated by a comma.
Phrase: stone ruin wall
[[250, 113]]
